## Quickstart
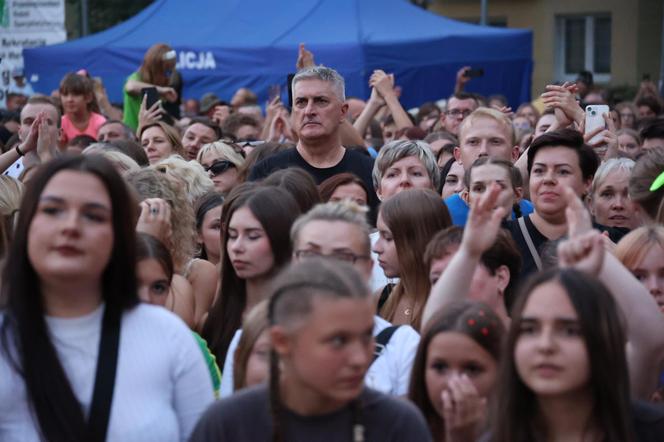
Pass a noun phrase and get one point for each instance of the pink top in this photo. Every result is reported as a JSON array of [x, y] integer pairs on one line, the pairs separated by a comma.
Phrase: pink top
[[70, 131]]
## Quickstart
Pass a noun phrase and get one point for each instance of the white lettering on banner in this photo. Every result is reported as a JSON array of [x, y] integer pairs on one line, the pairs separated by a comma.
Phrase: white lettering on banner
[[27, 24], [196, 60]]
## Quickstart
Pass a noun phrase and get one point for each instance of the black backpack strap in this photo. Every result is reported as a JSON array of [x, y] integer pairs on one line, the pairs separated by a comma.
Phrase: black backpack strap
[[102, 396], [382, 340], [384, 295]]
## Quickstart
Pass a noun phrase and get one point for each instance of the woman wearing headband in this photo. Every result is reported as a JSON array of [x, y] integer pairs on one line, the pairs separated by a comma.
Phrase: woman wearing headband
[[157, 70]]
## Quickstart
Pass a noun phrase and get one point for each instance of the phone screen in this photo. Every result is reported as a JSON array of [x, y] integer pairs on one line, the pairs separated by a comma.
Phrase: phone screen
[[289, 80]]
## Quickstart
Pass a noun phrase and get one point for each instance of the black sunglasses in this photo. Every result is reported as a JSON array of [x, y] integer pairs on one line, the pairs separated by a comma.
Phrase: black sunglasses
[[219, 167]]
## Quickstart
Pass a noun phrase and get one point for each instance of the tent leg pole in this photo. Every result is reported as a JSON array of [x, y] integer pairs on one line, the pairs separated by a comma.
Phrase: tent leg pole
[[84, 18], [483, 12]]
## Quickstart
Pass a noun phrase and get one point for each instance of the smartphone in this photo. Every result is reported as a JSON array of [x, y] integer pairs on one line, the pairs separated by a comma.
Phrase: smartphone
[[289, 81], [152, 96], [474, 73], [595, 118]]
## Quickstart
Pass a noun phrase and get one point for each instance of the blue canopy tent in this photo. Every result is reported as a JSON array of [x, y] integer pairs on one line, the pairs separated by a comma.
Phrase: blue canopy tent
[[225, 45]]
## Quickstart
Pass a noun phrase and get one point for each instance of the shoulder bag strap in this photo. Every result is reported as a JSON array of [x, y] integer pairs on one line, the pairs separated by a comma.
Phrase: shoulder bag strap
[[529, 242], [383, 339], [102, 396]]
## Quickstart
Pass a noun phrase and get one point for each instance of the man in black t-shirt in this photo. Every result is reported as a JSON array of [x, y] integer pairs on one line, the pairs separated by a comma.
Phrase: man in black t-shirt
[[319, 109]]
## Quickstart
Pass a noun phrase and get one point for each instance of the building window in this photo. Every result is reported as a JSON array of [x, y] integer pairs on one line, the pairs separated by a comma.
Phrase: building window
[[583, 43]]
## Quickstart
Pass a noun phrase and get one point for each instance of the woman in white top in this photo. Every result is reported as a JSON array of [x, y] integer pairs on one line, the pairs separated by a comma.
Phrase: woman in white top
[[71, 317]]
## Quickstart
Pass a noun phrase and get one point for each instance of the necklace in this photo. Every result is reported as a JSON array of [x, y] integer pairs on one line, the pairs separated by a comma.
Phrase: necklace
[[408, 311]]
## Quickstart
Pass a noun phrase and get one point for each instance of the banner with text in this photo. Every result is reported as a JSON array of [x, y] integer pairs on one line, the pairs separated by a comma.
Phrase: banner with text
[[26, 24]]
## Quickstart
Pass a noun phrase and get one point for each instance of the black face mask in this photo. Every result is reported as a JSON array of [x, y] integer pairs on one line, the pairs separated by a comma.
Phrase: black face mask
[[219, 167]]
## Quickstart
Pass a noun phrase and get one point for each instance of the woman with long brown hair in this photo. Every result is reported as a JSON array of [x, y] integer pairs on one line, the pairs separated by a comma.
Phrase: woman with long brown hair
[[75, 344], [256, 222], [406, 223]]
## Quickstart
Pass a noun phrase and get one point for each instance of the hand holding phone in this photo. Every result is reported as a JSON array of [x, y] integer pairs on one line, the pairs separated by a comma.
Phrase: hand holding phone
[[595, 119]]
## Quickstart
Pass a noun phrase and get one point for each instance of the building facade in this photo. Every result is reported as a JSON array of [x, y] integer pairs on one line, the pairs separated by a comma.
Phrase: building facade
[[620, 41]]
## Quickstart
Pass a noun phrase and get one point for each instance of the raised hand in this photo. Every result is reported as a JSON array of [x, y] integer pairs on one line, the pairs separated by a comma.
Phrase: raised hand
[[155, 219], [463, 409], [461, 79], [578, 217], [151, 115], [30, 142], [382, 82], [305, 58], [483, 223], [584, 252], [563, 100], [168, 93]]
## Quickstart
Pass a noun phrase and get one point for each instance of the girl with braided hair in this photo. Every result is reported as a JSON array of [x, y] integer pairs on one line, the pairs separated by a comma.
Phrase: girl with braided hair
[[321, 323]]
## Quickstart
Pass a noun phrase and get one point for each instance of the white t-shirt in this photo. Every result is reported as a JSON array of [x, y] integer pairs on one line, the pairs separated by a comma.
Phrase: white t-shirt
[[389, 374], [162, 385]]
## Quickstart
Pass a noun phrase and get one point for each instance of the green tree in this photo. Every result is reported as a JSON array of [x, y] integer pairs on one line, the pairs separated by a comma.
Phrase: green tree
[[102, 14]]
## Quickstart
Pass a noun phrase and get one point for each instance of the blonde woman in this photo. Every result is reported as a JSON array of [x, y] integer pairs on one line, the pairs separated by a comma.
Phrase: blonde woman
[[222, 162]]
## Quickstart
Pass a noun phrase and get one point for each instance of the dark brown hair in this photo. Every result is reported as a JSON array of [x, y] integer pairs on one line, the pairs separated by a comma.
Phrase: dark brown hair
[[276, 210], [516, 420], [298, 183], [571, 139], [503, 252], [327, 187], [24, 334], [77, 84], [473, 319]]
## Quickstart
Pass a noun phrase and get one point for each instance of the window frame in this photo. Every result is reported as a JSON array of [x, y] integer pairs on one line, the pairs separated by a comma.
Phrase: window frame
[[589, 42]]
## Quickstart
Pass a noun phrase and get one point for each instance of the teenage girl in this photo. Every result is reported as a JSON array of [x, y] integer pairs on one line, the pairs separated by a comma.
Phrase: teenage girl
[[321, 323], [455, 370]]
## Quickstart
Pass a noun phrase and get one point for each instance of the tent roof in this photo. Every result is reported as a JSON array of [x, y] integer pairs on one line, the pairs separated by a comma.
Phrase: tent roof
[[254, 44], [260, 23]]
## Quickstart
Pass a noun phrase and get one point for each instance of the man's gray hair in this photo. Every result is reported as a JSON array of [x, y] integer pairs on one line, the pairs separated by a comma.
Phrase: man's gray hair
[[399, 149], [322, 73]]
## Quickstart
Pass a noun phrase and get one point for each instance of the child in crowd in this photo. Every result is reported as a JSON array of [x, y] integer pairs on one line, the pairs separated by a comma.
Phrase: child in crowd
[[80, 108]]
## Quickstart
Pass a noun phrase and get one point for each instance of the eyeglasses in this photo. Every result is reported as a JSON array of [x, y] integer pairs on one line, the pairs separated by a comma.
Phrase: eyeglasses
[[627, 115], [339, 256], [456, 113], [219, 167]]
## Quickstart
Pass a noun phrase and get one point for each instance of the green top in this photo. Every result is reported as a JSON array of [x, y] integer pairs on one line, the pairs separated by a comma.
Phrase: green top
[[132, 104], [215, 373]]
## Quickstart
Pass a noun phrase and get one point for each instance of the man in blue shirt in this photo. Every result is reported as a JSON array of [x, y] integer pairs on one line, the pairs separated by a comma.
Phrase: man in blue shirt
[[484, 133]]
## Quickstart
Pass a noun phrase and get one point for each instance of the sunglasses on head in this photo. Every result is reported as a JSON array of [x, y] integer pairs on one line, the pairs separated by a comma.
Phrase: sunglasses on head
[[219, 167]]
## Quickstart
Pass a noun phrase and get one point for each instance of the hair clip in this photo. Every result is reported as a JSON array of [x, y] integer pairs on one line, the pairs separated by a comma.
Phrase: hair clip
[[658, 183], [170, 55], [471, 322]]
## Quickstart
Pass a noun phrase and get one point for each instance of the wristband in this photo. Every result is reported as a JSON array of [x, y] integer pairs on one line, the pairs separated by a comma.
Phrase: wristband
[[18, 151]]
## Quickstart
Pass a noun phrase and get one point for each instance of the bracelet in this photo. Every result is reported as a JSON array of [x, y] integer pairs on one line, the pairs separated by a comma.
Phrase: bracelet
[[18, 151]]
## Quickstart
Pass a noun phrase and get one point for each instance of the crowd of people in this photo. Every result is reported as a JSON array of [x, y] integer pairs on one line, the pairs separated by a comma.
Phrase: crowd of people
[[345, 269]]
